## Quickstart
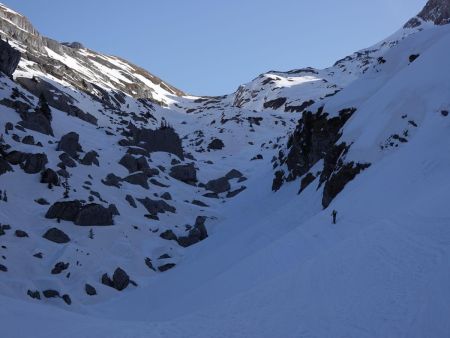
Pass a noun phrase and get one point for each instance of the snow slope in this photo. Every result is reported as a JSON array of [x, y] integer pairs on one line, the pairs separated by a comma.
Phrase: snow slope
[[273, 264]]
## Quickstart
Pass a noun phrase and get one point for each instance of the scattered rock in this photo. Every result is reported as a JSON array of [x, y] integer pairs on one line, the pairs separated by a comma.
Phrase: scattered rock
[[20, 234], [233, 174], [185, 173], [69, 143], [112, 181], [131, 201], [138, 179], [57, 236], [67, 210], [50, 177], [90, 290], [50, 293], [148, 262], [168, 235], [219, 185], [59, 267], [34, 294], [66, 299], [34, 163], [236, 192], [90, 158], [67, 160], [166, 267], [166, 196], [94, 215], [155, 207], [216, 144], [133, 164]]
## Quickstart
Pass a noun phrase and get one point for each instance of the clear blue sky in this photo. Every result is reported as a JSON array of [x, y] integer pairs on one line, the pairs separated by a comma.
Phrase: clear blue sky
[[209, 47]]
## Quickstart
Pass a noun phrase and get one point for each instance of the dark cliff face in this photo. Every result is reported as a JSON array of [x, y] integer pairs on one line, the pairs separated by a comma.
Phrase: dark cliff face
[[436, 11], [9, 58]]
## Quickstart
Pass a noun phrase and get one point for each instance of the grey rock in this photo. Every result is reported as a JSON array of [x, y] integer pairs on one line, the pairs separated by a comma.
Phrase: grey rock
[[112, 181], [185, 173], [166, 196], [216, 144], [133, 164], [50, 293], [4, 166], [219, 185], [34, 163], [20, 234], [90, 158], [28, 140], [69, 143], [67, 160], [168, 235], [138, 179], [49, 176], [155, 207], [94, 215], [9, 58], [131, 201], [90, 290], [120, 279], [233, 174], [59, 267], [67, 210], [57, 236], [165, 267], [236, 192]]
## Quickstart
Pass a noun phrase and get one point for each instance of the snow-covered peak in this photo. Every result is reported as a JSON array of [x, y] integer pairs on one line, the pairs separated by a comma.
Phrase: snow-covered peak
[[435, 11]]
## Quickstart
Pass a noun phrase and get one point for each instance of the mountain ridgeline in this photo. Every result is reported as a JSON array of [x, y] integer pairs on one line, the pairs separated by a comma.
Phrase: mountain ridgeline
[[118, 188]]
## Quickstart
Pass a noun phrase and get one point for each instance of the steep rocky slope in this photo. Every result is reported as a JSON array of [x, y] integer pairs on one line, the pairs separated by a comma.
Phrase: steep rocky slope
[[153, 213]]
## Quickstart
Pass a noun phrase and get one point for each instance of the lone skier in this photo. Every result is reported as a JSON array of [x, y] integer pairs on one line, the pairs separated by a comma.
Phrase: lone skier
[[334, 214]]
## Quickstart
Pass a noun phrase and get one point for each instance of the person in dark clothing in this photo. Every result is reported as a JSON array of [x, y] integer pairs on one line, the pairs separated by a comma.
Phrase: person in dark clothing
[[334, 214]]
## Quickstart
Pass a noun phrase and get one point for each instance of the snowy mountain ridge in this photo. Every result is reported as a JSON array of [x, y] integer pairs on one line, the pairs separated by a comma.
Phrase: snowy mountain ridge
[[131, 209]]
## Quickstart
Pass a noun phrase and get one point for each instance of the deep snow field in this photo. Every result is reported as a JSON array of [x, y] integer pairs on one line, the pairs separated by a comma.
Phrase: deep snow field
[[273, 264]]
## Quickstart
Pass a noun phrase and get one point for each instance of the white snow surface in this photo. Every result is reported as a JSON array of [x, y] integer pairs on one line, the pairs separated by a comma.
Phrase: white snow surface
[[273, 264]]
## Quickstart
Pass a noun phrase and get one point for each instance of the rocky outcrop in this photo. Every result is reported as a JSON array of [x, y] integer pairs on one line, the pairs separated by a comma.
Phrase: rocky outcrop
[[219, 185], [112, 180], [163, 139], [90, 158], [155, 207], [120, 280], [4, 166], [314, 136], [34, 163], [134, 164], [30, 163], [62, 101], [66, 211], [185, 173], [216, 144], [57, 236], [69, 143], [9, 58], [85, 215], [95, 215], [196, 234], [138, 179], [50, 177], [336, 173], [436, 11]]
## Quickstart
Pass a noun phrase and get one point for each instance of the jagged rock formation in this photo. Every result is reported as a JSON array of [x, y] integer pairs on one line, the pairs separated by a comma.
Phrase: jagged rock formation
[[9, 58], [436, 11]]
